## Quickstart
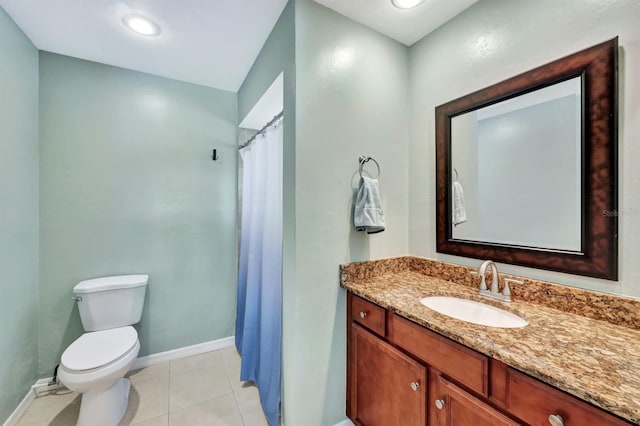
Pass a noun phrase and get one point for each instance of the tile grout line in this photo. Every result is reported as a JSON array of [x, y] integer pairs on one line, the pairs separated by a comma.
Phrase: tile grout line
[[236, 398], [191, 371], [224, 365], [150, 379], [236, 395], [233, 390]]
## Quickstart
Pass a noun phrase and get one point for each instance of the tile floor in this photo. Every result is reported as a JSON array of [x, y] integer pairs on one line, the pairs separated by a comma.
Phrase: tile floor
[[200, 390]]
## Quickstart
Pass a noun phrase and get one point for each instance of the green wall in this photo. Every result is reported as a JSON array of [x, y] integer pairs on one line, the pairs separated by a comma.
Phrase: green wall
[[336, 108], [352, 100], [128, 186], [278, 56], [18, 215]]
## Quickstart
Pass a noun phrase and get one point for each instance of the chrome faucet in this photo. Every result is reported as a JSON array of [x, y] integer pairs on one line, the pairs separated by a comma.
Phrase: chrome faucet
[[482, 270], [494, 291]]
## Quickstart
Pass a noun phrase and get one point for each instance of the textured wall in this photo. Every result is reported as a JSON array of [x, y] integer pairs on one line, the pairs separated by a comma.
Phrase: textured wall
[[497, 39], [352, 100], [278, 56], [128, 186], [18, 215]]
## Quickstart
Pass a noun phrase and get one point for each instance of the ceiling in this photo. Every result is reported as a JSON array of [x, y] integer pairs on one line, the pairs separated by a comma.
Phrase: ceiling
[[207, 42], [212, 43], [404, 25]]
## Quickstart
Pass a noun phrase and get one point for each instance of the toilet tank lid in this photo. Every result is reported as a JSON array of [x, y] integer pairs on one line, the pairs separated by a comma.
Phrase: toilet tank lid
[[111, 283]]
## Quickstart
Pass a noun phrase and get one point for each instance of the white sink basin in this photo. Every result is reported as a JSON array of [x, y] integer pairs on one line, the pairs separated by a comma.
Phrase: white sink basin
[[474, 312]]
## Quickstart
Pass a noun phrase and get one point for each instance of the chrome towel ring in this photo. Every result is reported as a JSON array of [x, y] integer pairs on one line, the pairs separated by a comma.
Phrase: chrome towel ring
[[364, 159]]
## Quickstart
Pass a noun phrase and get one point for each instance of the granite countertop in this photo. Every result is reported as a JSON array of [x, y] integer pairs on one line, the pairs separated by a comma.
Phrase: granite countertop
[[594, 360]]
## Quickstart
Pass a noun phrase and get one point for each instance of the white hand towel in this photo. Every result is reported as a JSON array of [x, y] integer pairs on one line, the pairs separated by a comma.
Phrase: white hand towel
[[367, 213], [459, 213]]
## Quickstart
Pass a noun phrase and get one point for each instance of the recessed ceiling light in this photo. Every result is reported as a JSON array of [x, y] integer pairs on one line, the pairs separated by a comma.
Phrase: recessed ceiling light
[[141, 25], [406, 4]]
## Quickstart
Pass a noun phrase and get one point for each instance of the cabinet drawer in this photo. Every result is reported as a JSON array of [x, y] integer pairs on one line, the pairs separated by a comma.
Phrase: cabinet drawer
[[368, 314], [534, 401], [458, 362]]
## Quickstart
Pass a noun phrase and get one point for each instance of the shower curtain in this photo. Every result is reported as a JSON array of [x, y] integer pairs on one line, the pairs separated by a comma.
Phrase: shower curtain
[[259, 312]]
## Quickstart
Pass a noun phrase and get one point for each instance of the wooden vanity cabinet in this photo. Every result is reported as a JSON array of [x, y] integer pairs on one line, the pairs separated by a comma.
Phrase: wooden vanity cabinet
[[458, 377], [384, 386], [389, 388], [402, 374], [456, 407]]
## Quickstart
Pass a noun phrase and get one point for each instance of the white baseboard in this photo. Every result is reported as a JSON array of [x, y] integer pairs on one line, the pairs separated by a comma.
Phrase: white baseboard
[[20, 409], [42, 385], [345, 422], [179, 353]]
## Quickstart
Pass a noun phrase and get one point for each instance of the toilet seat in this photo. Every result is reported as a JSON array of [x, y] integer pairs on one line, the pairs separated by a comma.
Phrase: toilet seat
[[98, 349]]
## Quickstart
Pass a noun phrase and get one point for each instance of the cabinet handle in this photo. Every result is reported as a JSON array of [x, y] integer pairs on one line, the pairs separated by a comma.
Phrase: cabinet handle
[[556, 420], [415, 386], [363, 314], [439, 404]]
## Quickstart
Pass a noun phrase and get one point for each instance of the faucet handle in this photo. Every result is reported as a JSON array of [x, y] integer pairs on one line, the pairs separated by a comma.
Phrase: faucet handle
[[506, 291]]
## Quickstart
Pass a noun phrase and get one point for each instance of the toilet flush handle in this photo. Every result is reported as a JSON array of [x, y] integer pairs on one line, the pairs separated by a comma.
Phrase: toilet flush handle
[[77, 298]]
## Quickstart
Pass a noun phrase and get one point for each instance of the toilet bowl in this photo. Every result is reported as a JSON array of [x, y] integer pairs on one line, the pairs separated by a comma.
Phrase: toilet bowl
[[95, 364]]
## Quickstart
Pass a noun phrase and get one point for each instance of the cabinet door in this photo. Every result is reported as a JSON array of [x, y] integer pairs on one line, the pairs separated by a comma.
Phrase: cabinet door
[[456, 407], [388, 388]]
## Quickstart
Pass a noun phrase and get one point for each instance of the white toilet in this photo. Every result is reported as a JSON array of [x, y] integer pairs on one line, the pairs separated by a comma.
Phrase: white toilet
[[95, 364]]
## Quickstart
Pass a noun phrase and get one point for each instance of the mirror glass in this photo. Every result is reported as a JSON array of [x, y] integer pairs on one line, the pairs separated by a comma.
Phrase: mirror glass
[[535, 158], [518, 165]]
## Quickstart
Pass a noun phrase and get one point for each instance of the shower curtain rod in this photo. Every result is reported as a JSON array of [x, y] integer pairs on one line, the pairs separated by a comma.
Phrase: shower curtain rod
[[261, 131]]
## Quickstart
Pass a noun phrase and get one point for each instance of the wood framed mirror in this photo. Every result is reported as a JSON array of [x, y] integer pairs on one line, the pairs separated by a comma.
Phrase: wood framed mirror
[[526, 169]]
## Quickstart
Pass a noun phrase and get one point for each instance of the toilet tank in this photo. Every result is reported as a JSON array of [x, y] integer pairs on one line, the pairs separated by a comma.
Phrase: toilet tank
[[111, 302]]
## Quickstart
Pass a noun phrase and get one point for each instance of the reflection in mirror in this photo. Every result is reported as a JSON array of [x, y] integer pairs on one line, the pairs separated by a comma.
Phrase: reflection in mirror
[[535, 157], [519, 164]]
